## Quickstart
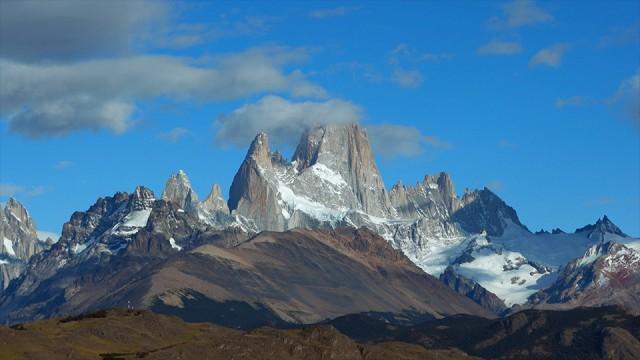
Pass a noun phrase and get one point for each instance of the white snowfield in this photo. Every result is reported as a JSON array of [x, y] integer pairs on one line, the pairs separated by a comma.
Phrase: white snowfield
[[132, 223], [8, 246], [173, 244], [500, 264]]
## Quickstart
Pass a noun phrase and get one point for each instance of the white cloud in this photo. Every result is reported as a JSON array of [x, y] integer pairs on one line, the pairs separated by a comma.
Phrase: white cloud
[[495, 185], [435, 56], [407, 78], [551, 56], [285, 121], [357, 71], [64, 164], [626, 100], [571, 101], [174, 134], [68, 29], [43, 235], [405, 53], [13, 190], [332, 12], [622, 35], [436, 142], [504, 143], [496, 47], [54, 99], [10, 189], [520, 13], [282, 119], [70, 65], [401, 140]]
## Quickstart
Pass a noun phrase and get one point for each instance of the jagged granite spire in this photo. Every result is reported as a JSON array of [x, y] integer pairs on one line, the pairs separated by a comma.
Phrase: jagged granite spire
[[601, 227], [142, 198], [178, 190], [18, 241], [215, 201], [435, 196], [482, 210], [17, 232], [345, 148], [251, 195]]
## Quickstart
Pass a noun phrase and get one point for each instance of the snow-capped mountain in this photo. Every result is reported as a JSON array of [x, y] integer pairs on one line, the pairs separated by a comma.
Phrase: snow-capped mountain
[[213, 210], [475, 241], [19, 241], [333, 181], [178, 190], [608, 273]]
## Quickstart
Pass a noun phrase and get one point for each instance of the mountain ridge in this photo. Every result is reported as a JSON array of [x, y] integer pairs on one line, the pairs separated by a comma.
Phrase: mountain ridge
[[332, 182]]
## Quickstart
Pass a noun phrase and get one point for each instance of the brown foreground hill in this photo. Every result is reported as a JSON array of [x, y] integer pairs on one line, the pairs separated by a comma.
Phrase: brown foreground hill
[[133, 334], [298, 276], [609, 333]]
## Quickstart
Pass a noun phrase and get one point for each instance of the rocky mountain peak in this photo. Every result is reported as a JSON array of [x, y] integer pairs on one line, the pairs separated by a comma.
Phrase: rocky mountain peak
[[601, 227], [18, 241], [259, 150], [482, 210], [608, 272], [448, 192], [215, 201], [250, 193], [345, 149], [142, 198], [18, 238], [15, 209], [178, 190]]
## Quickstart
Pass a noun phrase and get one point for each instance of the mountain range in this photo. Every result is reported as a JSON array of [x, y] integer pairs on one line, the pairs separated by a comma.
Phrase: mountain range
[[308, 239]]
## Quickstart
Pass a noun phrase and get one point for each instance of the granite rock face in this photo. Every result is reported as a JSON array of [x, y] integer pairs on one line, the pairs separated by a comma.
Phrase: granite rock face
[[19, 241], [215, 202], [178, 190], [213, 210], [253, 194], [333, 181], [18, 232], [345, 149]]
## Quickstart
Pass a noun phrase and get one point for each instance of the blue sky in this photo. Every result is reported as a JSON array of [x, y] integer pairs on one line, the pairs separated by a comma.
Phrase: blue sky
[[536, 100]]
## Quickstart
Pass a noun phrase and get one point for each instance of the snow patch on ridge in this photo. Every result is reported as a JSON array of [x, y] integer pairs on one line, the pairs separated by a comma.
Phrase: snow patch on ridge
[[328, 175], [173, 244], [591, 255], [504, 273], [308, 206], [8, 246], [132, 223]]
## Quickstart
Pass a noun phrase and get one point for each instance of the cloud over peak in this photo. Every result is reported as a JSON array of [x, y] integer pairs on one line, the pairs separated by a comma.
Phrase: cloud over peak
[[282, 119]]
